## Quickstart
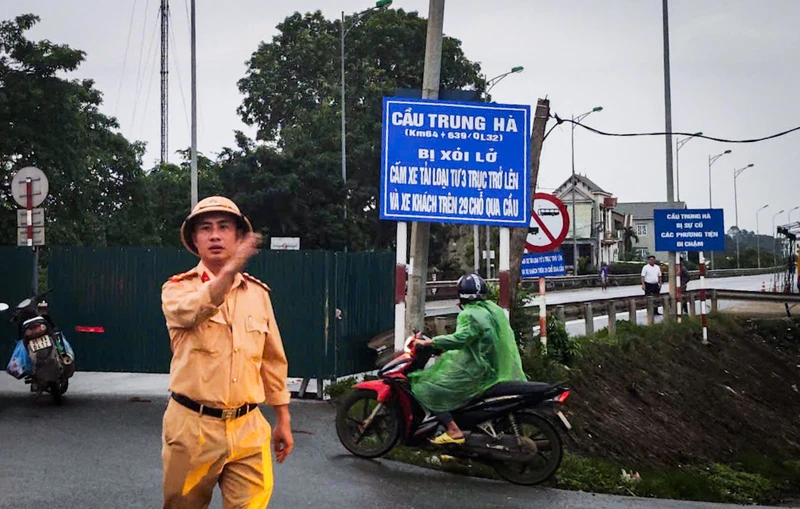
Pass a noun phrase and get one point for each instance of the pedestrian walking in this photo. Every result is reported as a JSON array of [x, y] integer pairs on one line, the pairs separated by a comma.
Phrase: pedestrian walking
[[652, 279]]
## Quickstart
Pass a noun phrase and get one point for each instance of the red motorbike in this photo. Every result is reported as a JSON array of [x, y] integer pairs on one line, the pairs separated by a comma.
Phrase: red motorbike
[[511, 427]]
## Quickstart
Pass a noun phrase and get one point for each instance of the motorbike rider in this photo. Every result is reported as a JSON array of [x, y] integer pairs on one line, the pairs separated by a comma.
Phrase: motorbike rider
[[479, 354]]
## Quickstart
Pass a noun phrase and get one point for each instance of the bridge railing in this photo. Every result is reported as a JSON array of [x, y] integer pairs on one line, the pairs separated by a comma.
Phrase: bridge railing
[[446, 290]]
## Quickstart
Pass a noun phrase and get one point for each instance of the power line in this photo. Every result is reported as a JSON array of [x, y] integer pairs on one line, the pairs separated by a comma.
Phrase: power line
[[125, 57], [141, 55], [152, 67], [693, 135], [176, 59]]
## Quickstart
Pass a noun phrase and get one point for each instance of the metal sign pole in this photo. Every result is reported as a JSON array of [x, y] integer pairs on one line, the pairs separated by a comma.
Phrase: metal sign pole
[[543, 314], [400, 287], [29, 213], [504, 273]]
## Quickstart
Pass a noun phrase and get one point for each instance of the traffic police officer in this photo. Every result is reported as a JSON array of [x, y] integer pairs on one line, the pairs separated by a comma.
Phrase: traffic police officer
[[227, 357]]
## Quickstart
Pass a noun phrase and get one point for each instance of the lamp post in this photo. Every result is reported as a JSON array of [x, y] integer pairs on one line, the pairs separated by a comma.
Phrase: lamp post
[[774, 237], [574, 188], [789, 214], [758, 235], [736, 174], [475, 229], [497, 79], [678, 146], [712, 160], [344, 31]]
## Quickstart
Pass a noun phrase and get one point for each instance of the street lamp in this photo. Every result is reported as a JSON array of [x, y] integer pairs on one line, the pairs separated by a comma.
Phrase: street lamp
[[497, 79], [678, 146], [736, 174], [789, 214], [711, 161], [774, 237], [758, 235], [475, 229], [574, 187], [380, 4]]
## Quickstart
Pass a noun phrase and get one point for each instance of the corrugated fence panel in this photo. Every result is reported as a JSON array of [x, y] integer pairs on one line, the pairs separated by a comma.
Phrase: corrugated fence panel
[[297, 280], [120, 289], [16, 275], [365, 295]]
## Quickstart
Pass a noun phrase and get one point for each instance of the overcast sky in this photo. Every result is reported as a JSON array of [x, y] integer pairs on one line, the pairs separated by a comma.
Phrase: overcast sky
[[734, 75]]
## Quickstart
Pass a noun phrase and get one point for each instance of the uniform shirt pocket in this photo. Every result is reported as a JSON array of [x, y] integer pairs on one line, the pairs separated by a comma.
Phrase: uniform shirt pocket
[[211, 334], [257, 328]]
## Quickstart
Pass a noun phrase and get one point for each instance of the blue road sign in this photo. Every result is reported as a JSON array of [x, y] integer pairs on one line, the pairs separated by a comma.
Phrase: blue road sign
[[455, 162], [543, 264], [689, 229]]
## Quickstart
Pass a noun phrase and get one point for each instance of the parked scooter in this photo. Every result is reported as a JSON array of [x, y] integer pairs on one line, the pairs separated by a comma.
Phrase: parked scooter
[[43, 357]]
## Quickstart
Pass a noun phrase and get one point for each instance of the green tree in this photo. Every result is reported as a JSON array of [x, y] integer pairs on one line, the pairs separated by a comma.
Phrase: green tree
[[628, 237], [292, 94], [285, 196], [169, 199], [55, 124]]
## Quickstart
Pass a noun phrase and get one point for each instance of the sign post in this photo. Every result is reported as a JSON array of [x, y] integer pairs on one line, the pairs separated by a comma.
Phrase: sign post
[[29, 187], [700, 230], [453, 162], [547, 229]]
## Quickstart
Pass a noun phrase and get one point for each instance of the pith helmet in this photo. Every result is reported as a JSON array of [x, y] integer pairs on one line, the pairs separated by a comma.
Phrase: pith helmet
[[204, 206]]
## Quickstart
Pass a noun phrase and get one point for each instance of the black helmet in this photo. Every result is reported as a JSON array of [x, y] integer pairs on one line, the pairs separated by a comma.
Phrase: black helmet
[[472, 288]]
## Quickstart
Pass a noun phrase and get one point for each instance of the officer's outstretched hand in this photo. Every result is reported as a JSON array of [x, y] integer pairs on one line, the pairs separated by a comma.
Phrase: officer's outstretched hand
[[245, 249]]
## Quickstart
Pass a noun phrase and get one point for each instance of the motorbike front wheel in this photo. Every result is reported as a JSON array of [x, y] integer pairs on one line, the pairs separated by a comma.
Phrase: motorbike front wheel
[[549, 451], [367, 439]]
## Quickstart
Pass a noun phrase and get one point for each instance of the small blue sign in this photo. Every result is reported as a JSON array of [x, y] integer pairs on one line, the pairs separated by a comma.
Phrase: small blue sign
[[543, 264], [689, 229], [455, 162]]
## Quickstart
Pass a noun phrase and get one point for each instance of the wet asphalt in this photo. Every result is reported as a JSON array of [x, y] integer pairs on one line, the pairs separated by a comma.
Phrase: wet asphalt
[[103, 452]]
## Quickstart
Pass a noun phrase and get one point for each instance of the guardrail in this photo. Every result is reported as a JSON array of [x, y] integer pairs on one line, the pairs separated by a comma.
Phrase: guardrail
[[446, 290], [612, 307]]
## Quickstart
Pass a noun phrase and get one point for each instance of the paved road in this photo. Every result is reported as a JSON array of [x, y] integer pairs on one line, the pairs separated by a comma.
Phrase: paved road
[[102, 451]]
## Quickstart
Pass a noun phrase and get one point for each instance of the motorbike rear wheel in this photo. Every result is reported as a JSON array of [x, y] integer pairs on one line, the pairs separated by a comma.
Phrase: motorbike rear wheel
[[549, 455], [379, 436], [55, 390]]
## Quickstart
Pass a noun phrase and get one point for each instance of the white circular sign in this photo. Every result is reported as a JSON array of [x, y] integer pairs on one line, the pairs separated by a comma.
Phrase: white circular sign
[[549, 224], [39, 186]]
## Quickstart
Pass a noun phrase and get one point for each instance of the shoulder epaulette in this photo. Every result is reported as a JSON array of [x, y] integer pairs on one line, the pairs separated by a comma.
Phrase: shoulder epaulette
[[256, 281], [180, 277]]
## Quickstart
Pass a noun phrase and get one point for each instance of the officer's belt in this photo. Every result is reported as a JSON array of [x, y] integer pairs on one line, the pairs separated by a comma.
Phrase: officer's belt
[[219, 413]]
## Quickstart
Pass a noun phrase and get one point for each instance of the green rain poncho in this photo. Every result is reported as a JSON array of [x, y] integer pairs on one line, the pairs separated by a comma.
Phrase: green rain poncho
[[479, 354]]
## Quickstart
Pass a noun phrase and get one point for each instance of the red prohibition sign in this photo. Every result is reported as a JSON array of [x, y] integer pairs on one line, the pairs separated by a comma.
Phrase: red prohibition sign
[[549, 224]]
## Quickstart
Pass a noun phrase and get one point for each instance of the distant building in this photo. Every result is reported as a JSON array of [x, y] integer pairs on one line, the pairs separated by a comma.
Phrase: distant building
[[598, 225], [641, 214]]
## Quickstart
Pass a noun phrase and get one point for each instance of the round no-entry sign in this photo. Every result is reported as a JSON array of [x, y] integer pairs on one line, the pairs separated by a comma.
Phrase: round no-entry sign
[[549, 224]]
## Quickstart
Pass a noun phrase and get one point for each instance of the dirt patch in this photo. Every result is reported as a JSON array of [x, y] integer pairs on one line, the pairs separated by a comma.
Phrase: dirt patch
[[658, 397]]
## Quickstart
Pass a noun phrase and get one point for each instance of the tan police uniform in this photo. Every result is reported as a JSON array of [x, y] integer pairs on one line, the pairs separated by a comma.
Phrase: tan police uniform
[[225, 361]]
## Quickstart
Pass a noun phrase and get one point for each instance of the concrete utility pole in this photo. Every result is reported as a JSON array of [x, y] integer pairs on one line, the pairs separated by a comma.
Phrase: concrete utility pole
[[194, 109], [668, 139], [421, 232], [518, 235]]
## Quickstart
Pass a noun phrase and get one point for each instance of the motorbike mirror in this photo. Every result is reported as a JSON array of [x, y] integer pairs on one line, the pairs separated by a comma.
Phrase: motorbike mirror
[[25, 303], [3, 307]]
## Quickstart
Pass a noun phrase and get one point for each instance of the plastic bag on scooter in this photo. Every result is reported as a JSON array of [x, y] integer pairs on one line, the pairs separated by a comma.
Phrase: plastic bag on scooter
[[67, 347], [20, 363]]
